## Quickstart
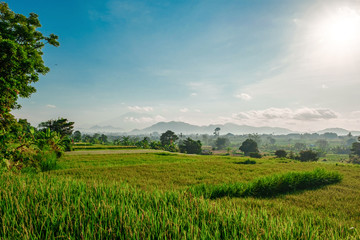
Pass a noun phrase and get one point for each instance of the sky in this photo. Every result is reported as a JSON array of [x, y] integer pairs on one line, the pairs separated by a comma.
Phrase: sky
[[130, 64]]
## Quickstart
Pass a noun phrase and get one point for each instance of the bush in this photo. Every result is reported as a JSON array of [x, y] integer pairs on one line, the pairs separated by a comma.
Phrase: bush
[[270, 186], [171, 148], [354, 159], [255, 155], [308, 156], [280, 153], [249, 146], [47, 161], [190, 146]]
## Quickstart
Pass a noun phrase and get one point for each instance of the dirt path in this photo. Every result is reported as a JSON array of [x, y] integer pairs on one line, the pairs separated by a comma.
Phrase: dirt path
[[107, 151]]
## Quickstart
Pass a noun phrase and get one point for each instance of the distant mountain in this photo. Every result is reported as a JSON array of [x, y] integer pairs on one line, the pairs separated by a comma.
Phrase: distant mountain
[[103, 129], [339, 131], [186, 128]]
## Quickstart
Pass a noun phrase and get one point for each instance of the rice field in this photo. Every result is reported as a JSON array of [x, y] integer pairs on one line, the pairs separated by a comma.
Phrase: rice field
[[149, 195]]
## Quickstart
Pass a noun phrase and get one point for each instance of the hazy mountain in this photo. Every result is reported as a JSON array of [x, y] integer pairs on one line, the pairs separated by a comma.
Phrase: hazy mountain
[[132, 120], [185, 128], [339, 131], [102, 129]]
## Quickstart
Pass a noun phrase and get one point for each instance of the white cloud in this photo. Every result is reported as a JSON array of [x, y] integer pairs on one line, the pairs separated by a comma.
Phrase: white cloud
[[193, 94], [244, 96], [50, 106], [314, 114], [184, 110], [304, 114], [140, 109]]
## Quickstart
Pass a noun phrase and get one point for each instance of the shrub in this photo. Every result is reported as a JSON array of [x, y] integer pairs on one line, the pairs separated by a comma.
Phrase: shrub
[[354, 159], [190, 146], [249, 146], [270, 186], [255, 155], [280, 153], [171, 148], [308, 156], [47, 161], [247, 162]]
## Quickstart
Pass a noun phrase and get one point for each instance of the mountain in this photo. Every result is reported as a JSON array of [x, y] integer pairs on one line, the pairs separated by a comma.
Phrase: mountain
[[102, 129], [339, 131], [186, 128]]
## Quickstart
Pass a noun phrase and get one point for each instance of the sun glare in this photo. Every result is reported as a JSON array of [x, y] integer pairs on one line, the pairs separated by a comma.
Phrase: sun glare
[[340, 30]]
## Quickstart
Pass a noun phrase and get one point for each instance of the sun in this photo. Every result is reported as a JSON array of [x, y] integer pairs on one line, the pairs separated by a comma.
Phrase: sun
[[340, 30]]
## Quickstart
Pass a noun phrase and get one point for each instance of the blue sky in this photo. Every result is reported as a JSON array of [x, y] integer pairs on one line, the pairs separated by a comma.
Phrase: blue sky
[[130, 64]]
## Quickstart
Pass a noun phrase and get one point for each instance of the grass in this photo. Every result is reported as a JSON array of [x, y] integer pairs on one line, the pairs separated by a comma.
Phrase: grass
[[137, 195], [49, 208], [270, 186]]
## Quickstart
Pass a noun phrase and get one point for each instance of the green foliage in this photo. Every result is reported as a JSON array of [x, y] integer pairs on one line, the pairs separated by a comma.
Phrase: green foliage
[[61, 126], [57, 208], [248, 161], [47, 160], [168, 138], [170, 147], [300, 146], [190, 146], [20, 57], [221, 143], [270, 186], [248, 146], [280, 153], [156, 145], [77, 136], [355, 148], [308, 156], [145, 143]]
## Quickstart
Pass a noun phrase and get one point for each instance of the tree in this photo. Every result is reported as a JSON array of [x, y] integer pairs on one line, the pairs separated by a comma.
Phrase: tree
[[168, 138], [271, 140], [355, 148], [77, 136], [308, 156], [103, 138], [61, 125], [299, 146], [248, 146], [322, 144], [222, 143], [280, 153], [20, 58], [255, 137], [217, 131], [190, 146]]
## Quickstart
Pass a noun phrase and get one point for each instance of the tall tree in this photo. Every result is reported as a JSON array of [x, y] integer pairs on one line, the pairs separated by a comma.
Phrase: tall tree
[[61, 125], [217, 131], [168, 137], [190, 146], [249, 146], [20, 58]]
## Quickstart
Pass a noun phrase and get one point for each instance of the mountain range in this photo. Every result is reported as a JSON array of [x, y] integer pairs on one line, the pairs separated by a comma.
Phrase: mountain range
[[186, 128]]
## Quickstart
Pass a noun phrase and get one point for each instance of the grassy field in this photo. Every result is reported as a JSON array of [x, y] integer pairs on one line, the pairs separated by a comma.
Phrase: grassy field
[[128, 194]]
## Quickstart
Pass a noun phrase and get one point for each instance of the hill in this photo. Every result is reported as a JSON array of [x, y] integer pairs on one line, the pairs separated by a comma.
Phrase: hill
[[186, 128]]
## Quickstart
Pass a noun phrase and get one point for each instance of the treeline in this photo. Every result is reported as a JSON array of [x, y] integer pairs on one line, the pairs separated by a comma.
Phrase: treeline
[[27, 148]]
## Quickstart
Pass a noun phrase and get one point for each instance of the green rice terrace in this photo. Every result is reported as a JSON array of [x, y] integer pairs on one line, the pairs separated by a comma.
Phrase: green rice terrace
[[149, 194]]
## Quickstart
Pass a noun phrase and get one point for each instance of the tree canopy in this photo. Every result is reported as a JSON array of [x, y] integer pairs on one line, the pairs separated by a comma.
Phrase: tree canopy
[[190, 146], [61, 125], [20, 57], [248, 146], [168, 137]]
